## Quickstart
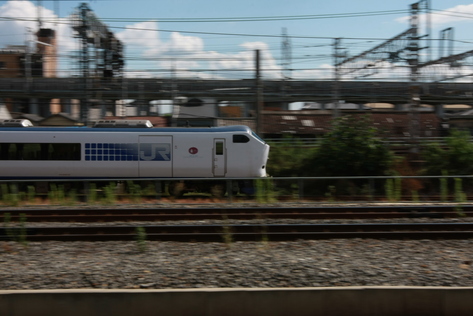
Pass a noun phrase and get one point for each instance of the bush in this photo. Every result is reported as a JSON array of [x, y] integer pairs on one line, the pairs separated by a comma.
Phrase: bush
[[454, 159], [352, 148]]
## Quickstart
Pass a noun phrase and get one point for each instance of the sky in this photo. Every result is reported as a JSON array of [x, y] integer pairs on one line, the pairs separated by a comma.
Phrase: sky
[[211, 39]]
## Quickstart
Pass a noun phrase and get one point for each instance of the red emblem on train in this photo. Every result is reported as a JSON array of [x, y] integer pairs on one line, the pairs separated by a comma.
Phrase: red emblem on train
[[193, 150]]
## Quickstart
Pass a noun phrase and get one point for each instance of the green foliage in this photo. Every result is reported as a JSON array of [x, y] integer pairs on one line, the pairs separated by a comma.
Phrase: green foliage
[[21, 238], [109, 194], [393, 189], [31, 193], [288, 160], [443, 188], [141, 239], [351, 148], [19, 234], [227, 234], [71, 197], [134, 191], [92, 194], [460, 196], [330, 194], [265, 191], [6, 223], [10, 197], [455, 159], [56, 194]]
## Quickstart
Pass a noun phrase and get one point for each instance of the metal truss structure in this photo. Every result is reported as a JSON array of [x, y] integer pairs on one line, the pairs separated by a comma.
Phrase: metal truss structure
[[399, 56], [449, 68], [94, 35], [388, 54]]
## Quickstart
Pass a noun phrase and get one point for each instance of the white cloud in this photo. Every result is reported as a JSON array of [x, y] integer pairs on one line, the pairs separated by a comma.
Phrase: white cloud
[[187, 54], [13, 29], [456, 14], [142, 34], [459, 13], [21, 18]]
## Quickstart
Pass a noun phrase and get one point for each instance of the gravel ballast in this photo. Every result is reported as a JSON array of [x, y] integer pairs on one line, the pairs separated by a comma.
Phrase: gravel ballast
[[303, 263], [337, 262]]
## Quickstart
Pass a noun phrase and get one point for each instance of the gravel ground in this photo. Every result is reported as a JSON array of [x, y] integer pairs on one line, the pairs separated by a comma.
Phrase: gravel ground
[[339, 262]]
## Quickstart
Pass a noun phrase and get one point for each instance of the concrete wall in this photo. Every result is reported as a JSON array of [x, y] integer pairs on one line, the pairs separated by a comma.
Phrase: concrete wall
[[353, 301]]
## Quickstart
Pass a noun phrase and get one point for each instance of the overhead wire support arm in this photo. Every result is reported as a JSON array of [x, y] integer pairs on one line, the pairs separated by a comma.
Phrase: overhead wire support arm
[[448, 59], [390, 50]]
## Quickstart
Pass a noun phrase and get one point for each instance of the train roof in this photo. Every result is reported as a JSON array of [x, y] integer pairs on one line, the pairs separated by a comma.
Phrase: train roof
[[223, 129]]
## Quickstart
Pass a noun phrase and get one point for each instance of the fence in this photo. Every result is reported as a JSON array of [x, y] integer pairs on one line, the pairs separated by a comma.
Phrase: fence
[[391, 141], [383, 189]]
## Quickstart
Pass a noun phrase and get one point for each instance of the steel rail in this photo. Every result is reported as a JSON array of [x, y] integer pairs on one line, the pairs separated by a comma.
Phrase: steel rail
[[258, 232], [163, 213]]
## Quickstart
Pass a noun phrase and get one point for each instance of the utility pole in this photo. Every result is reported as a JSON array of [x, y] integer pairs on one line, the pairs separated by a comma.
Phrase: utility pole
[[84, 62], [259, 93], [286, 59], [337, 60], [413, 61]]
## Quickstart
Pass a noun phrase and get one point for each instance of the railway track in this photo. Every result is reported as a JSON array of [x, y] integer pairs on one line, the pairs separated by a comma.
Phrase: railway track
[[18, 223], [101, 214], [231, 232]]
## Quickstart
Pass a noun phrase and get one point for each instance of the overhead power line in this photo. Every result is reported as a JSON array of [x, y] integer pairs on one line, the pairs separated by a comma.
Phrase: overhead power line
[[249, 19], [259, 18]]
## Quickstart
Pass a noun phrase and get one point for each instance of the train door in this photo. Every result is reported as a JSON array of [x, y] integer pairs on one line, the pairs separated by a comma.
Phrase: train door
[[219, 158], [155, 156]]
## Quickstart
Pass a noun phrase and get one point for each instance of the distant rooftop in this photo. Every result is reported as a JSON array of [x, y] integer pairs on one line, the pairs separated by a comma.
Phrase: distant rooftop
[[13, 49]]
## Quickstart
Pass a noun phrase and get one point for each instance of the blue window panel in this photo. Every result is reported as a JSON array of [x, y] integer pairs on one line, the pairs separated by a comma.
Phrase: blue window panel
[[125, 152]]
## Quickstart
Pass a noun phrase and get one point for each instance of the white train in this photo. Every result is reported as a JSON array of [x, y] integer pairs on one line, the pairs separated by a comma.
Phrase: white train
[[129, 149]]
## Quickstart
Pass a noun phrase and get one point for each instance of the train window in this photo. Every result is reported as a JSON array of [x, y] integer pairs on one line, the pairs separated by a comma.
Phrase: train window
[[219, 148], [39, 151], [240, 139]]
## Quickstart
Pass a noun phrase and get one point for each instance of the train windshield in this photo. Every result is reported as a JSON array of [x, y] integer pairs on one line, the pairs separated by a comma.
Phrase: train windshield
[[257, 137]]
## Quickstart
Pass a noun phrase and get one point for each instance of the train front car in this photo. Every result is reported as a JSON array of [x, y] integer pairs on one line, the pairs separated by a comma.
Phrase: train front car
[[247, 154], [218, 152]]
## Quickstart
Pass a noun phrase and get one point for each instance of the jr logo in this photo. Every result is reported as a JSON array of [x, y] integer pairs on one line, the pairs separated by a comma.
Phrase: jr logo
[[155, 152]]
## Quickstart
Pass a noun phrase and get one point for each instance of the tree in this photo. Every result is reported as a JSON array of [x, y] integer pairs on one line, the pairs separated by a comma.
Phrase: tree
[[456, 158], [352, 148]]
